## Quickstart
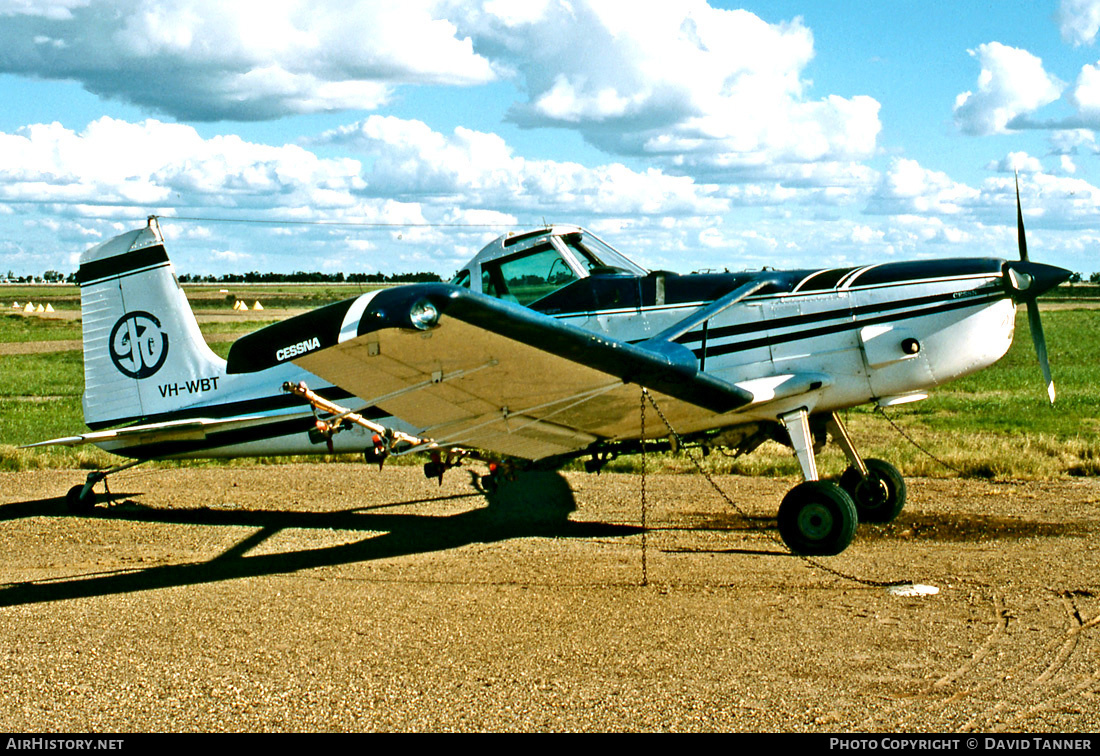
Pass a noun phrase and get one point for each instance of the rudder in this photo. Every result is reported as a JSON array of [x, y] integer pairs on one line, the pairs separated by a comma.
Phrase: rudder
[[143, 352]]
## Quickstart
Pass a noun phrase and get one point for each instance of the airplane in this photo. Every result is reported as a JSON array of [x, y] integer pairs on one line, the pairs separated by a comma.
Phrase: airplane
[[547, 347]]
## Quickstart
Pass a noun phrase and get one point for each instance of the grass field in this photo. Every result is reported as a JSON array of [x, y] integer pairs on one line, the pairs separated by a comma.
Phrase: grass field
[[995, 423], [16, 329], [61, 296]]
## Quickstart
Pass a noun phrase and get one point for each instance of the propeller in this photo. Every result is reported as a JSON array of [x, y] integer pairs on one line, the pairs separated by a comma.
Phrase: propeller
[[1026, 281]]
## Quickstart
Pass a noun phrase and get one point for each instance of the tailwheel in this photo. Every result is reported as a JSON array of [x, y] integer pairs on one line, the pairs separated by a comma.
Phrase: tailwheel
[[79, 501], [817, 518], [880, 496]]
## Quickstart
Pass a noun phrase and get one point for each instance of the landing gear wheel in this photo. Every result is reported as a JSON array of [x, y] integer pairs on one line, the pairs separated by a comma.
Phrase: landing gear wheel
[[817, 518], [80, 504], [878, 498]]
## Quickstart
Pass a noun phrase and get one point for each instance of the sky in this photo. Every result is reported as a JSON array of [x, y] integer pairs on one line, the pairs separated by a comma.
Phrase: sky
[[278, 135]]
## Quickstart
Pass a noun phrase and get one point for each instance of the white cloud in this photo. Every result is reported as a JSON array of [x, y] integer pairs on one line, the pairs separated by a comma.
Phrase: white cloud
[[693, 87], [125, 171], [153, 164], [230, 256], [907, 188], [1078, 20], [1057, 209], [50, 9], [713, 238], [477, 169], [1012, 83], [244, 60], [864, 234], [1059, 201], [423, 185], [695, 90], [936, 231], [1016, 162], [1086, 92], [1070, 141]]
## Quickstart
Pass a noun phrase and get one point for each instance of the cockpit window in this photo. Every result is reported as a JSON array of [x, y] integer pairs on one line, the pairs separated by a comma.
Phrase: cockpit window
[[599, 257], [527, 277], [462, 279]]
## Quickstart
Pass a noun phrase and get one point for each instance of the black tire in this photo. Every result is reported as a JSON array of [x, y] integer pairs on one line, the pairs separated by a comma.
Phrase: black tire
[[80, 504], [881, 496], [817, 518]]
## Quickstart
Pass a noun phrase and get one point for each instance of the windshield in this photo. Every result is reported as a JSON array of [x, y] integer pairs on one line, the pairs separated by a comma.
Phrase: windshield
[[599, 257], [526, 277]]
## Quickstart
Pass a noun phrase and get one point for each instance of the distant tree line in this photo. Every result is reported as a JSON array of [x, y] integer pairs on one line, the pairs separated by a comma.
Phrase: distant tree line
[[52, 276], [314, 277]]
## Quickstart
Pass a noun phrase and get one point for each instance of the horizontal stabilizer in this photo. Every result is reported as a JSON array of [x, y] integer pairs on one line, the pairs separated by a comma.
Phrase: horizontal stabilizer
[[156, 433]]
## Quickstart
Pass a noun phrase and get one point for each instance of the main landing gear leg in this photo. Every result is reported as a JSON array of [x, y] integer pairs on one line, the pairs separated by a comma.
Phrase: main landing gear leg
[[816, 517], [81, 499], [875, 486]]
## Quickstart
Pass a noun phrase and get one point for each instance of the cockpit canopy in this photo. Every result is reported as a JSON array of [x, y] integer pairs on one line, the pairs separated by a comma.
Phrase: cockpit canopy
[[529, 266]]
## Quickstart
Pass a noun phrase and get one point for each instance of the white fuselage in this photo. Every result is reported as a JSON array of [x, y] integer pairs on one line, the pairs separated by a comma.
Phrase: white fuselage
[[853, 335], [816, 340]]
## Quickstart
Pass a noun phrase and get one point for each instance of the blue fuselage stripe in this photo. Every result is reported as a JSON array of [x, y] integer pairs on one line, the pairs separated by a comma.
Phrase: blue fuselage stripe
[[842, 312], [848, 324]]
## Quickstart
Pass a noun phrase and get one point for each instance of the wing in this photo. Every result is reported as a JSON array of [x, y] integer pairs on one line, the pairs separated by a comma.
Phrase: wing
[[471, 370]]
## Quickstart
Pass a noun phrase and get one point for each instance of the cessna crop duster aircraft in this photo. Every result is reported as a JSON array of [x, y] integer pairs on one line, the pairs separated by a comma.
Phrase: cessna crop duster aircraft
[[539, 351]]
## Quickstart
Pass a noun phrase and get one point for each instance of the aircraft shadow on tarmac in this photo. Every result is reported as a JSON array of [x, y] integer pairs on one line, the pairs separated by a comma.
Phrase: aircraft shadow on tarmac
[[509, 514]]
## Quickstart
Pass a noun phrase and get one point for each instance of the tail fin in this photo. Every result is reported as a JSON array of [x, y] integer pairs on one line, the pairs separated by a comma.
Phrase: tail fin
[[143, 352]]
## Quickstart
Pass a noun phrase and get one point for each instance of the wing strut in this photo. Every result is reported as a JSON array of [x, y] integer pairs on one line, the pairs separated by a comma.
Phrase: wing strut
[[721, 304]]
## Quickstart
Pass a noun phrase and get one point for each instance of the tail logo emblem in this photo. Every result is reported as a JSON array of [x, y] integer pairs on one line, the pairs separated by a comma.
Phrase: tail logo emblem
[[138, 344]]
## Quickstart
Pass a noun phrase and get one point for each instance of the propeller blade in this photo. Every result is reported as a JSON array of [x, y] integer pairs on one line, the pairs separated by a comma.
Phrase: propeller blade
[[1040, 346], [1020, 238], [1030, 281]]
